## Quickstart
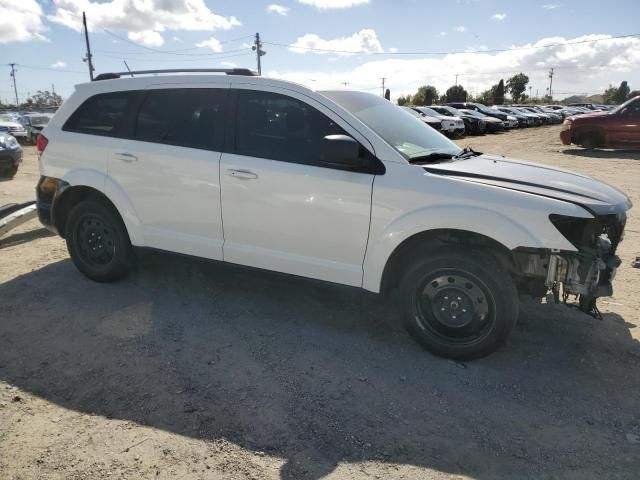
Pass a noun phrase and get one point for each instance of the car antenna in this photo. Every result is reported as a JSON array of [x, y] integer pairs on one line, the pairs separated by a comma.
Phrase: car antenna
[[128, 69]]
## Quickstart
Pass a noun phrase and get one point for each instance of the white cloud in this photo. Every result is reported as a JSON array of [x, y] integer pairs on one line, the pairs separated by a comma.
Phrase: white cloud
[[549, 6], [443, 34], [364, 41], [228, 64], [581, 67], [460, 28], [278, 9], [327, 4], [499, 16], [144, 20], [148, 38], [21, 21], [58, 64], [393, 50], [212, 43]]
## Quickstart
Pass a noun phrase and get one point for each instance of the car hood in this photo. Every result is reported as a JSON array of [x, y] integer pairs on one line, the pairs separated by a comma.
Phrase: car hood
[[596, 196], [5, 123]]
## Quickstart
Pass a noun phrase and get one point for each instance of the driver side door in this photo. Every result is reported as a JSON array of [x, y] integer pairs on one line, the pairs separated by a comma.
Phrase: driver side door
[[282, 209]]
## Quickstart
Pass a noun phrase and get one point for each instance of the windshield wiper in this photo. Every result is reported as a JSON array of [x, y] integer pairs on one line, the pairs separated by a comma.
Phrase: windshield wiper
[[466, 152], [431, 157]]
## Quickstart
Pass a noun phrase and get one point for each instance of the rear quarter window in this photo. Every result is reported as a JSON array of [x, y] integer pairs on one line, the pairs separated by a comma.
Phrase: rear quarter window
[[101, 114]]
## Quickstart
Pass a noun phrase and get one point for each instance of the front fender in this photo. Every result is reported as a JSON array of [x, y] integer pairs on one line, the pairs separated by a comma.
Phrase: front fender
[[106, 186], [539, 233]]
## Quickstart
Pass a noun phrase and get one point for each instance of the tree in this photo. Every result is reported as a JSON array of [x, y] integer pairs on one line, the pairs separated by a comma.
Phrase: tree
[[486, 97], [498, 93], [45, 99], [635, 93], [609, 95], [456, 93], [387, 94], [404, 100], [425, 95], [516, 86], [622, 92]]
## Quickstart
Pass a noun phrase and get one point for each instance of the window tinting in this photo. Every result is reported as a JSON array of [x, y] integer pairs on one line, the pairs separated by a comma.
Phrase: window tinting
[[278, 127], [190, 117], [101, 114]]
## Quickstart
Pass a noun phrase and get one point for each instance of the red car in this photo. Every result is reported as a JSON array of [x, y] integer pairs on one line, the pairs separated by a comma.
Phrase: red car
[[619, 128]]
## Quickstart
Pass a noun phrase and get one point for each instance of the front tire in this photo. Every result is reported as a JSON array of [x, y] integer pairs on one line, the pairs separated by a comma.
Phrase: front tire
[[459, 305], [98, 242]]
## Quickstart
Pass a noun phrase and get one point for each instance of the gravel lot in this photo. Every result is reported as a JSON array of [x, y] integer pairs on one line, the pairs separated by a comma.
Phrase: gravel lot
[[190, 369]]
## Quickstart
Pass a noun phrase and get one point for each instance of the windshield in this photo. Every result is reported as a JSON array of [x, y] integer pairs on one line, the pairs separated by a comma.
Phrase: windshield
[[472, 112], [442, 111], [482, 108], [429, 111], [398, 128], [39, 120], [412, 112]]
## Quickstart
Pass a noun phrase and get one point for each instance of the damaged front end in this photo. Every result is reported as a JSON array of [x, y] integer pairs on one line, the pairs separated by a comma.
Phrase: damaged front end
[[587, 273]]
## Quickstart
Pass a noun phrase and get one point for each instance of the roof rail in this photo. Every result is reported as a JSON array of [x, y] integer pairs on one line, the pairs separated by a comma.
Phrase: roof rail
[[228, 71]]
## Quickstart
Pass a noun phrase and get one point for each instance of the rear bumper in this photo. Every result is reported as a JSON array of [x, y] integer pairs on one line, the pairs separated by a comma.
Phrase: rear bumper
[[45, 203], [565, 137]]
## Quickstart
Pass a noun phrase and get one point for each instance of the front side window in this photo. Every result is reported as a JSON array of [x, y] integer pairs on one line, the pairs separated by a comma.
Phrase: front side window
[[278, 127], [189, 117], [101, 114]]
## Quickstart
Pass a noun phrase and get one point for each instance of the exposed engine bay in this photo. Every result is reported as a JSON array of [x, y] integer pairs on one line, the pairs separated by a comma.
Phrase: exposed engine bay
[[586, 274]]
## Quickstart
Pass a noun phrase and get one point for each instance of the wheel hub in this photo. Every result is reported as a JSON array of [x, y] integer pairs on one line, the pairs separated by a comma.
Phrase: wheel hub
[[96, 241], [453, 305]]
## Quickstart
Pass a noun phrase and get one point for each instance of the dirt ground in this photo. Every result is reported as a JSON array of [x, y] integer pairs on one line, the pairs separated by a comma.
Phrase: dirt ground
[[190, 369]]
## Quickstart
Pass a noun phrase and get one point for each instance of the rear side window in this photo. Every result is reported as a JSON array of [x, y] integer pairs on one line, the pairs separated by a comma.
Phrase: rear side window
[[101, 114], [188, 117], [278, 127]]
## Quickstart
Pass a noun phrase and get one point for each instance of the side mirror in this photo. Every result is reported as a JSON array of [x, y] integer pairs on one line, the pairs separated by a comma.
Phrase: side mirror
[[340, 151]]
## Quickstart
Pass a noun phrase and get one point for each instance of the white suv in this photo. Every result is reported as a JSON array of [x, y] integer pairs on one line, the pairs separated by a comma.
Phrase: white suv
[[339, 186]]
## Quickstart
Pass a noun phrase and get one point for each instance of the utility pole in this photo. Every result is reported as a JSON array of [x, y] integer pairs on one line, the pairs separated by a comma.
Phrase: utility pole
[[86, 39], [457, 79], [383, 79], [551, 83], [15, 89], [530, 88], [257, 47]]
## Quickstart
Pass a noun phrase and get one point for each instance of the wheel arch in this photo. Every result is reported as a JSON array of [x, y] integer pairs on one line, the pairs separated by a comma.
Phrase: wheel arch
[[92, 184], [425, 240]]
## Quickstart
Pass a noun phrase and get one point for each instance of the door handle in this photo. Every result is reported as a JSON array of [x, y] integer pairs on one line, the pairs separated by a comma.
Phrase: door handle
[[243, 174], [126, 157]]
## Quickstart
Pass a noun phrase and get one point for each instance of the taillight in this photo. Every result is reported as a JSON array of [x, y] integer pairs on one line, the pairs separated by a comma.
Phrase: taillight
[[41, 143]]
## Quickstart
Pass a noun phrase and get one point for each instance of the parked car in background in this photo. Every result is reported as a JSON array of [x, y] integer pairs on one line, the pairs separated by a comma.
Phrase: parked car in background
[[34, 123], [618, 128], [523, 120], [472, 124], [537, 119], [452, 126], [433, 122], [492, 124], [479, 107], [9, 124], [588, 106], [553, 116], [10, 155]]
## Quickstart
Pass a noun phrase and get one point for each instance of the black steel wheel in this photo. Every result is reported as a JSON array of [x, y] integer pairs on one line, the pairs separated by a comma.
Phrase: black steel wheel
[[459, 305], [97, 241]]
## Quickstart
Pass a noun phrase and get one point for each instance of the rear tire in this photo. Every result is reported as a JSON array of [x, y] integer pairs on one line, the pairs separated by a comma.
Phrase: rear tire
[[459, 305], [9, 173], [98, 242]]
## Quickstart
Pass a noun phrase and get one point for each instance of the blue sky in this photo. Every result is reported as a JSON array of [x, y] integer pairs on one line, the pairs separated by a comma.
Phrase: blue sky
[[46, 35]]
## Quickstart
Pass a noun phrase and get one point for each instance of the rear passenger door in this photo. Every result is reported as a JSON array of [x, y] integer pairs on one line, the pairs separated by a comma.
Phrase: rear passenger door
[[169, 168]]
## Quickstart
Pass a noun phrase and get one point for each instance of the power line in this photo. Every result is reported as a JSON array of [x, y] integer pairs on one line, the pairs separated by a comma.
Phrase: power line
[[31, 67], [158, 60], [169, 52], [496, 50]]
